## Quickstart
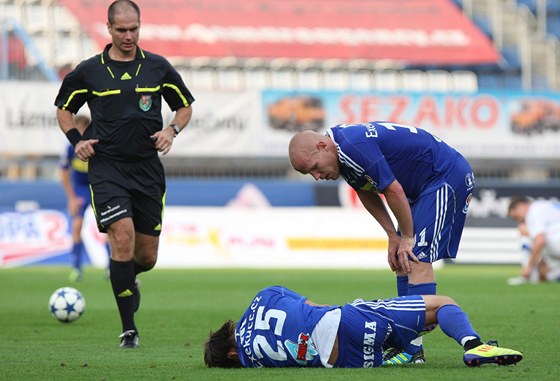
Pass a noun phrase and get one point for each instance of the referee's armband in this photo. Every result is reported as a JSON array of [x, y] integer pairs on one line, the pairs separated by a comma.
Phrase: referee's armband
[[73, 136]]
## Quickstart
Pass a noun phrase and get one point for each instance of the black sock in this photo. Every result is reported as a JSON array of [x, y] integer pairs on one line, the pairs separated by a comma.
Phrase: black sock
[[472, 344], [122, 280]]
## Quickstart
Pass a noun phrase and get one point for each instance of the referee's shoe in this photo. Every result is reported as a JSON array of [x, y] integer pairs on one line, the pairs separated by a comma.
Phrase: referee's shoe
[[129, 340]]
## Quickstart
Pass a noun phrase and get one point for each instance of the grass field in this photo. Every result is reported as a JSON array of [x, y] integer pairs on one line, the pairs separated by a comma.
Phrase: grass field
[[179, 307]]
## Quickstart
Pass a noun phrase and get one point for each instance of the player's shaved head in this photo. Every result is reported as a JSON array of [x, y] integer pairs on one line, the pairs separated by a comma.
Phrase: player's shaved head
[[302, 146], [313, 153], [121, 6]]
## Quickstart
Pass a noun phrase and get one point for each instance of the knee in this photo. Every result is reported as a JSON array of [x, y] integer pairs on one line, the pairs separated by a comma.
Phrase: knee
[[147, 263], [443, 300], [435, 302], [121, 246], [145, 257], [421, 273]]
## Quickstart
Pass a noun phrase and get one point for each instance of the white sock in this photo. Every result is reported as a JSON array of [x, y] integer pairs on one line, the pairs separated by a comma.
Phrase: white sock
[[467, 338]]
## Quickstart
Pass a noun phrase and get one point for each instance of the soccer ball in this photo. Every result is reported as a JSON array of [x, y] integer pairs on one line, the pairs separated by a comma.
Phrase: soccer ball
[[67, 304]]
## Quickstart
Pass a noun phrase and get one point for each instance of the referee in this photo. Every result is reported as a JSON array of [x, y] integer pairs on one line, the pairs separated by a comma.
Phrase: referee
[[123, 87]]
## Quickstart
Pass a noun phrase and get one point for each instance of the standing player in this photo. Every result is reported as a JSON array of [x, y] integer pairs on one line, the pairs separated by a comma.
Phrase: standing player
[[283, 329], [123, 87], [426, 183], [74, 178]]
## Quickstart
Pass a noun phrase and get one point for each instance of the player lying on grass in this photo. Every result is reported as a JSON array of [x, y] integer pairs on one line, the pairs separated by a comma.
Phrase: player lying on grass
[[283, 329]]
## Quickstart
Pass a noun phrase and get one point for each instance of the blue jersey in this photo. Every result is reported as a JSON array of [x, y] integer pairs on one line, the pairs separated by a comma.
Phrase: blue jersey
[[275, 331], [278, 330], [78, 176], [373, 155], [78, 168]]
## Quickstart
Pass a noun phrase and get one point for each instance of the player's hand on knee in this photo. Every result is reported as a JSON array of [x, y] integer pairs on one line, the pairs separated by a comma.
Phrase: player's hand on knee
[[405, 254]]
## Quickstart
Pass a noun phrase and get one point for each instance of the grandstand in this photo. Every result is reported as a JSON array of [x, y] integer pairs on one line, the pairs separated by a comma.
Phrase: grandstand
[[517, 52]]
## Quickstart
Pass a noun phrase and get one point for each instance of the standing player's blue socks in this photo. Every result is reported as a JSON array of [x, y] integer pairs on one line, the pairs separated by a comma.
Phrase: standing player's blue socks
[[455, 323], [422, 289], [76, 258], [402, 285], [77, 249]]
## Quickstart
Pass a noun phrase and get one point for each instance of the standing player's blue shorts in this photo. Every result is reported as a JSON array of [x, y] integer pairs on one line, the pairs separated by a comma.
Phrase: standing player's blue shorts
[[366, 326], [447, 201]]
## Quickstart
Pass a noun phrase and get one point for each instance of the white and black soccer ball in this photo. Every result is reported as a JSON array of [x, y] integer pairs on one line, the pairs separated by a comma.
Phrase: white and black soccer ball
[[67, 304]]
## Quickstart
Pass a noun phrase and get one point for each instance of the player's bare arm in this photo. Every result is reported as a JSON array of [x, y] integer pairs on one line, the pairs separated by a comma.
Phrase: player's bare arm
[[536, 255], [376, 207], [84, 148], [397, 201]]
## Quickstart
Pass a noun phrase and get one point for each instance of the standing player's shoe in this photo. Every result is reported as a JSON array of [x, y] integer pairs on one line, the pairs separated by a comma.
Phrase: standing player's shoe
[[136, 294], [129, 340], [76, 275], [490, 354], [394, 356]]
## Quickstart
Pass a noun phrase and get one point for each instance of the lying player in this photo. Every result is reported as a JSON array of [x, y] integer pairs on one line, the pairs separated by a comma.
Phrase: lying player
[[283, 329]]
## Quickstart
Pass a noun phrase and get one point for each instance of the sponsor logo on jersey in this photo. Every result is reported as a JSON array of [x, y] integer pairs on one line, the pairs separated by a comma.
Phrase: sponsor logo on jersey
[[467, 203], [469, 181], [125, 76], [302, 351], [370, 331], [421, 255], [370, 185]]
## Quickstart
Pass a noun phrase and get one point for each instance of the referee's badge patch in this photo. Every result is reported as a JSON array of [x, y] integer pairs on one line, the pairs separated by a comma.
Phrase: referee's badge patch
[[145, 102]]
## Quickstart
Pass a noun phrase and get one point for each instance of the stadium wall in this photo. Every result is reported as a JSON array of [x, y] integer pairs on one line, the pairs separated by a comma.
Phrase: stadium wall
[[495, 125], [250, 223]]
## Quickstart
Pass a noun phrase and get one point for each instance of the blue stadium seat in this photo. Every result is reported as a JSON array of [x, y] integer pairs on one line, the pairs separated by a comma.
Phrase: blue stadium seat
[[511, 56], [484, 25]]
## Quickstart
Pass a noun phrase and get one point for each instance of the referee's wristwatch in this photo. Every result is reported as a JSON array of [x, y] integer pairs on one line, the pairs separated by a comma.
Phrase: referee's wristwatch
[[175, 128]]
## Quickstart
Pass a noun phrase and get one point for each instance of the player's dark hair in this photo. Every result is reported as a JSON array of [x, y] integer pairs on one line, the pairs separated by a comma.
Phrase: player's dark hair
[[218, 346], [119, 5], [516, 200]]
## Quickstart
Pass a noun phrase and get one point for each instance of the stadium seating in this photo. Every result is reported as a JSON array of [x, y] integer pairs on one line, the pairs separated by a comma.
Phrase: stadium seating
[[53, 34], [62, 43]]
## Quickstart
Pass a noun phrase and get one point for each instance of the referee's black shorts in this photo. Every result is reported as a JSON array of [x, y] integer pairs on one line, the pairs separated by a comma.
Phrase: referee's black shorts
[[128, 189]]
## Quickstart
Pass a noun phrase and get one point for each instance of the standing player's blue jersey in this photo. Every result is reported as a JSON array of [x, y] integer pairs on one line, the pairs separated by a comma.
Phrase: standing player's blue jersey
[[276, 330], [78, 176], [373, 155], [78, 168]]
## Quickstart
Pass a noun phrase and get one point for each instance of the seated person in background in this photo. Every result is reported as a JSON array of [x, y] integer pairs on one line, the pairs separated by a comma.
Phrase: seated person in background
[[538, 273], [542, 219]]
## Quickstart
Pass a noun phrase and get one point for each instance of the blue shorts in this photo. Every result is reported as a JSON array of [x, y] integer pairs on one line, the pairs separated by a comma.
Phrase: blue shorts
[[365, 326], [439, 214]]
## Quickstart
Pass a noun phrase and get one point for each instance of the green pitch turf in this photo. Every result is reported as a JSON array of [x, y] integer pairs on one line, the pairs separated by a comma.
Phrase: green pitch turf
[[179, 307]]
